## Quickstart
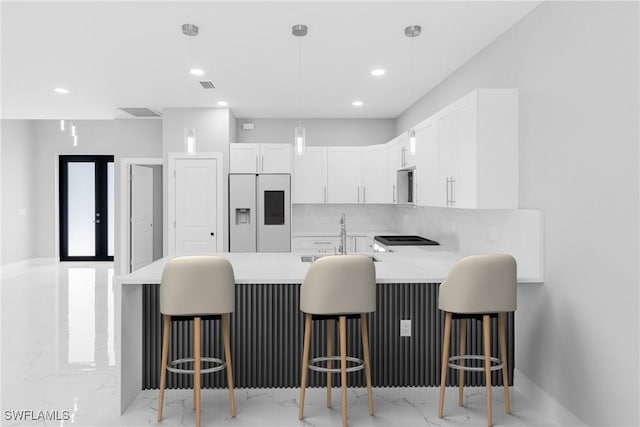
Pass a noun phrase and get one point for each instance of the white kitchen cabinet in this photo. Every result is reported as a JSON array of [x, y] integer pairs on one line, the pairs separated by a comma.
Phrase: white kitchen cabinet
[[375, 187], [478, 150], [310, 176], [404, 156], [427, 158], [260, 158], [343, 177]]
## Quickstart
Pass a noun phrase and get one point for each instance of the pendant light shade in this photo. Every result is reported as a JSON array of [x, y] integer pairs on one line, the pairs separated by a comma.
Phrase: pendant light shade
[[412, 141], [190, 140], [299, 139]]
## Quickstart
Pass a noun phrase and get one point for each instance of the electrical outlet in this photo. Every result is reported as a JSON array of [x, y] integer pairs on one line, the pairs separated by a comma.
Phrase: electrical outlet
[[405, 328]]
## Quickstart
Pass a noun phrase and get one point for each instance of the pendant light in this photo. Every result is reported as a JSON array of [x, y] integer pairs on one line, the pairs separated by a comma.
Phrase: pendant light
[[191, 31], [412, 31], [299, 140], [74, 135]]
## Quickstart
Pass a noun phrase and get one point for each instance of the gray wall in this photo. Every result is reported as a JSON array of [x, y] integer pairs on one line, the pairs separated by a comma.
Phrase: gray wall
[[319, 131], [576, 65], [18, 198], [120, 138]]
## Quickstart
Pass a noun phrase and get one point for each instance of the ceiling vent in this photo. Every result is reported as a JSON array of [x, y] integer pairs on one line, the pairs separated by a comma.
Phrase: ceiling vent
[[208, 84], [140, 111]]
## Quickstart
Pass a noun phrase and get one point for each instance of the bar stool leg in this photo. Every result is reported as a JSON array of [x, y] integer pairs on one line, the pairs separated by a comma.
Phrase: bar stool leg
[[503, 355], [196, 362], [445, 362], [165, 354], [343, 367], [227, 360], [305, 363], [367, 362], [330, 329], [486, 331], [463, 348]]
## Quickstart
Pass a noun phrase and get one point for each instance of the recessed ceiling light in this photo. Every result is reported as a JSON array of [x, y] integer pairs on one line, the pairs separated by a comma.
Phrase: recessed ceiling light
[[357, 103], [197, 71], [61, 90], [223, 103], [378, 72]]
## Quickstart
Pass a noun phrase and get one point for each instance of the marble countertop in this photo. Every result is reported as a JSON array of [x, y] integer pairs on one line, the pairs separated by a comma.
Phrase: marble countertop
[[409, 264]]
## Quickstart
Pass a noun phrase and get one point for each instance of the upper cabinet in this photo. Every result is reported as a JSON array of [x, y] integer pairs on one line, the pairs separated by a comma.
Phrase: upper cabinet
[[343, 177], [466, 157], [476, 144], [260, 158], [376, 183], [310, 176]]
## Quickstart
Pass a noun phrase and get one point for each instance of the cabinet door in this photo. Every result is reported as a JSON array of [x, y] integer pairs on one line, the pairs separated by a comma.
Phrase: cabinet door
[[243, 158], [447, 122], [465, 187], [374, 175], [275, 158], [310, 176], [363, 244], [343, 176], [427, 165], [393, 164]]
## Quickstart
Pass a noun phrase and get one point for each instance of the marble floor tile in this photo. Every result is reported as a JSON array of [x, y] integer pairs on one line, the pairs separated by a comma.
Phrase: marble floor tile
[[58, 369]]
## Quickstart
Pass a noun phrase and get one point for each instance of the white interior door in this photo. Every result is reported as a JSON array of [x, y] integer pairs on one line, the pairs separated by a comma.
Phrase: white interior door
[[141, 216], [196, 205]]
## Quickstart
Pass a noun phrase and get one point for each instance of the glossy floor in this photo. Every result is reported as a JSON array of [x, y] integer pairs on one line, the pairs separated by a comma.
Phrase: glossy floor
[[58, 368]]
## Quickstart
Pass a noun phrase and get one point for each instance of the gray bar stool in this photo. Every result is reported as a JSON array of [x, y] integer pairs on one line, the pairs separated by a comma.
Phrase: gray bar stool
[[338, 287], [194, 287], [478, 287]]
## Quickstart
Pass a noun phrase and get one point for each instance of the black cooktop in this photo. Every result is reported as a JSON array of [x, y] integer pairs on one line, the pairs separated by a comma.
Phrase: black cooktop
[[404, 241]]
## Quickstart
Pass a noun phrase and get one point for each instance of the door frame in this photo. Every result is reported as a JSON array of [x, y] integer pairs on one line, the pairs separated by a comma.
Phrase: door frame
[[169, 201], [123, 255], [101, 238]]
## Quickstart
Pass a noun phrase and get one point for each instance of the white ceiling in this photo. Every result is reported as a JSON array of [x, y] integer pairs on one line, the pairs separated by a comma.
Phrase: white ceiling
[[111, 54]]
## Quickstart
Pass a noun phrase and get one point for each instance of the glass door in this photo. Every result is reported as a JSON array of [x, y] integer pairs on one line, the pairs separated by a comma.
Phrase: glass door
[[86, 208]]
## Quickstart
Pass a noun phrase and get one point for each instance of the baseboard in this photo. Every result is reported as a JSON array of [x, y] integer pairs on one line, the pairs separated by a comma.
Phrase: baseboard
[[547, 404], [18, 265]]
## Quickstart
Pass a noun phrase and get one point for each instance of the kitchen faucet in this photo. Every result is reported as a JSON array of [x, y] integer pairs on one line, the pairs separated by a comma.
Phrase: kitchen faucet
[[343, 235]]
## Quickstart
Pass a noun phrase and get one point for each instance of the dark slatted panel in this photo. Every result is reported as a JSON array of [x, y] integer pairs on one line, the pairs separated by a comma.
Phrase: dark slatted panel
[[267, 332]]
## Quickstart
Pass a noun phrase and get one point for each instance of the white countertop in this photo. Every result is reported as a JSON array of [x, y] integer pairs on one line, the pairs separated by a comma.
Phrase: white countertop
[[409, 264]]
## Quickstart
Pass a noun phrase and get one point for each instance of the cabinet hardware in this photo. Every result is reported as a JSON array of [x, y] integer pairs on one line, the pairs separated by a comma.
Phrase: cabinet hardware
[[325, 194], [262, 169], [394, 193], [257, 168], [364, 194], [358, 192]]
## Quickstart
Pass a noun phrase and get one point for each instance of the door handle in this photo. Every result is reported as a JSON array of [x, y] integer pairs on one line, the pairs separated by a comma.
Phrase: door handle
[[213, 234]]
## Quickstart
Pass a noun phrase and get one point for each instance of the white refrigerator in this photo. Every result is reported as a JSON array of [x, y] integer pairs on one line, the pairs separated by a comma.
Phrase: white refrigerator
[[259, 213]]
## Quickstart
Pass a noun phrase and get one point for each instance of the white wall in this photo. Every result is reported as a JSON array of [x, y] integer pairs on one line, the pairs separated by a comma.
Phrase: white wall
[[319, 131], [120, 138], [18, 198], [576, 65]]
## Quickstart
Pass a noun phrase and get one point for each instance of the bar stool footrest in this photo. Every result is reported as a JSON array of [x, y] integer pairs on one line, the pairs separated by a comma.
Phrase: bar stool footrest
[[496, 363], [221, 365], [359, 364]]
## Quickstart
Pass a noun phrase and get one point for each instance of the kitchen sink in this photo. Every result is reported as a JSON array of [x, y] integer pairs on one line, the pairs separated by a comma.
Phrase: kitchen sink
[[312, 258]]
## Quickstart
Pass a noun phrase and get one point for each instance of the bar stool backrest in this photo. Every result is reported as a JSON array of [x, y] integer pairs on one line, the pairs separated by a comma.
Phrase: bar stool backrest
[[480, 284], [197, 285], [339, 284]]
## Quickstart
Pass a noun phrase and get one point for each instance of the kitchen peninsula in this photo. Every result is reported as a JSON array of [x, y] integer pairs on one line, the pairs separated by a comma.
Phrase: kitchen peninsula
[[267, 326]]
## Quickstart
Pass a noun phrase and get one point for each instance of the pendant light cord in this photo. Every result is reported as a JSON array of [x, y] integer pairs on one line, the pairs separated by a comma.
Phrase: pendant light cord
[[299, 81]]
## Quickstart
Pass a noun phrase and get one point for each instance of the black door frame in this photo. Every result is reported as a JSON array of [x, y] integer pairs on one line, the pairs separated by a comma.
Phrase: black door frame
[[101, 203]]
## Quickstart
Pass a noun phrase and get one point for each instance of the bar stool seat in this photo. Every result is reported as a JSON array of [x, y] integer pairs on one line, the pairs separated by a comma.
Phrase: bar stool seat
[[478, 287], [196, 288], [338, 287]]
